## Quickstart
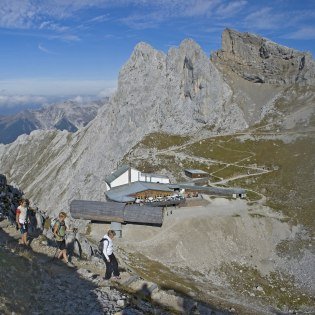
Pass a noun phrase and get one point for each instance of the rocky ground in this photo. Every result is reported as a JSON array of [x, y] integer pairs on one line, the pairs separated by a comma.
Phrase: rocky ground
[[32, 282], [206, 251]]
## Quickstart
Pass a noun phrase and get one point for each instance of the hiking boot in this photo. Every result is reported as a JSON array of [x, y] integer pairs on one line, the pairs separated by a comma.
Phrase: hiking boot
[[70, 264], [116, 278]]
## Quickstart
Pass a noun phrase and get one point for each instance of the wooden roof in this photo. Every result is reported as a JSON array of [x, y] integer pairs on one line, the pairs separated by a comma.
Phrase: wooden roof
[[115, 212], [194, 171], [124, 193]]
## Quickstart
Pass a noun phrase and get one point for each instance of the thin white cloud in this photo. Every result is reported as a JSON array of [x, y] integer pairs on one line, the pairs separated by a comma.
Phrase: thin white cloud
[[109, 91], [55, 87], [164, 10], [45, 50], [17, 14], [263, 19], [53, 26], [200, 7], [10, 101], [142, 21], [230, 9], [304, 33], [267, 18], [99, 19]]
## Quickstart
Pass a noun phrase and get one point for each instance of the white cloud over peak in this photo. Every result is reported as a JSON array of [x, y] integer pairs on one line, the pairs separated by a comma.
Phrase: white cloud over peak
[[54, 87], [200, 7], [55, 15], [9, 101], [304, 33], [53, 26], [230, 9], [263, 19]]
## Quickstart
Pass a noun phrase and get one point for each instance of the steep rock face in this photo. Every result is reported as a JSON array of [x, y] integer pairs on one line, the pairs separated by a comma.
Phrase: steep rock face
[[178, 92], [197, 92], [259, 60]]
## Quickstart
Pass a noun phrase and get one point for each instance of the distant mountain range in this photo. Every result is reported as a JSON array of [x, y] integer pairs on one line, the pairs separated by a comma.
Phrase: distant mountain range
[[69, 115]]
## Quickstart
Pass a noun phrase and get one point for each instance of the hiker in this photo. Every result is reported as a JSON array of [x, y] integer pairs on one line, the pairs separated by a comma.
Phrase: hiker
[[109, 257], [22, 221], [60, 234], [31, 218]]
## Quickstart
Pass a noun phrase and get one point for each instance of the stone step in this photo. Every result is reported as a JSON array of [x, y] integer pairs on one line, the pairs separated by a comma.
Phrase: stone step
[[153, 287], [130, 280]]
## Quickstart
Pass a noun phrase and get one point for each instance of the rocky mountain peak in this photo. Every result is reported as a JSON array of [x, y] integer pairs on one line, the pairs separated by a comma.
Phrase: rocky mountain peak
[[142, 54], [260, 60], [181, 92], [177, 92]]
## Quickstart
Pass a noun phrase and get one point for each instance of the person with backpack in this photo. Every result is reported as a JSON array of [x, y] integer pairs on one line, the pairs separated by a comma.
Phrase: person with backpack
[[59, 231], [22, 221], [109, 257]]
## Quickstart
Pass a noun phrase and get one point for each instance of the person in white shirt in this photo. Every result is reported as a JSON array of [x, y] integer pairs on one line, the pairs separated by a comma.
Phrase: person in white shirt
[[22, 220], [109, 257]]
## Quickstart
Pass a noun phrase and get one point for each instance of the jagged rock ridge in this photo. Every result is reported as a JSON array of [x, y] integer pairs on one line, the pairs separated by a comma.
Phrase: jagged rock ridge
[[69, 115], [259, 60]]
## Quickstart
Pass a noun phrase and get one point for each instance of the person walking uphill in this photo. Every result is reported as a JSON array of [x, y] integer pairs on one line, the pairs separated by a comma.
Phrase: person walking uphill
[[22, 221], [109, 257], [60, 234]]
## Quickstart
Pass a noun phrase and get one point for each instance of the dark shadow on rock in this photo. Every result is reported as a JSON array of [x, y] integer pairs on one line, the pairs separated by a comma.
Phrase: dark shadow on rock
[[144, 292], [29, 286]]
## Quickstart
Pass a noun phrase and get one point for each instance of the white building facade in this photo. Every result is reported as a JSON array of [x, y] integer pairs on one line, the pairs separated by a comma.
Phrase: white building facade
[[127, 174]]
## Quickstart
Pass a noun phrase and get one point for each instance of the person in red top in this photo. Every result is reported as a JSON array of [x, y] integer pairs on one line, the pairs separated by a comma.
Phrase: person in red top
[[22, 221]]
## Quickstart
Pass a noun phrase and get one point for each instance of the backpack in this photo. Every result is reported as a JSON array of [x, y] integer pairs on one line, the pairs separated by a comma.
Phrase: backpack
[[63, 231], [101, 245]]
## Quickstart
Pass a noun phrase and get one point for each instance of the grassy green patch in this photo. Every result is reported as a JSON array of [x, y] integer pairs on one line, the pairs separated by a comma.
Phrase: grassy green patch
[[218, 150], [252, 196], [232, 171], [162, 141], [289, 185]]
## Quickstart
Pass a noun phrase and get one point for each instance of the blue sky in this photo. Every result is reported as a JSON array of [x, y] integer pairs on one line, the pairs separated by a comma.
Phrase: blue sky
[[52, 49]]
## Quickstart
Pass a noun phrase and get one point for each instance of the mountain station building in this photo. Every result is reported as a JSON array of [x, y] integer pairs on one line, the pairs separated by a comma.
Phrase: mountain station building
[[192, 173], [127, 174]]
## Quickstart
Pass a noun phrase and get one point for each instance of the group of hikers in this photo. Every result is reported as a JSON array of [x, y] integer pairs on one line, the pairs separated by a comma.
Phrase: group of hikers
[[24, 213]]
